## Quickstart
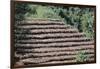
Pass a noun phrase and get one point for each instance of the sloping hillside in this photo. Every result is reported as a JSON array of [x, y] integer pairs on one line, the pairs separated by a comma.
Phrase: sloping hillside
[[50, 41]]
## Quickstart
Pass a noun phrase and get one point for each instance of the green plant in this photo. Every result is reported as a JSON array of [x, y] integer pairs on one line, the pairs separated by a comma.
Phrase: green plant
[[21, 10], [81, 57]]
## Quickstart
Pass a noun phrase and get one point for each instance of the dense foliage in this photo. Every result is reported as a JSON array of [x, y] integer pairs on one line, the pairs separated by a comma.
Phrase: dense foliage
[[20, 11], [81, 18]]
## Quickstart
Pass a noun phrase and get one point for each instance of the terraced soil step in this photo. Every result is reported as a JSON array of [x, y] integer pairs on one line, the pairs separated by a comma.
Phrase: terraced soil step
[[50, 41]]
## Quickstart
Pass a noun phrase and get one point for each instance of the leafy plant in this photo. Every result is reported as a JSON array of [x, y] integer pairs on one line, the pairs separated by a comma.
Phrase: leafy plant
[[21, 10], [81, 57]]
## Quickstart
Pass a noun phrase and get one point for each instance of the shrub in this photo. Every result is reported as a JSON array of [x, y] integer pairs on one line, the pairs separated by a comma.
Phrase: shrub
[[81, 57]]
